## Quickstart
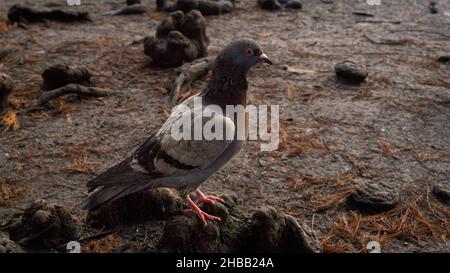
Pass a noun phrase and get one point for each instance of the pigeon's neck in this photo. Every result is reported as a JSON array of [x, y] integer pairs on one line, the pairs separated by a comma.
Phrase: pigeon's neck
[[227, 86]]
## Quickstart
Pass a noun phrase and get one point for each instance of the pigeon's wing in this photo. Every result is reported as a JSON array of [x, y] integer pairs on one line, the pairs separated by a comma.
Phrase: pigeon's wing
[[139, 165], [167, 161], [127, 170], [181, 153]]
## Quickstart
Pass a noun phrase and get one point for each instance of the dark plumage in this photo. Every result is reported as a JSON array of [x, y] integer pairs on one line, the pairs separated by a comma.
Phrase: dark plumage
[[162, 161]]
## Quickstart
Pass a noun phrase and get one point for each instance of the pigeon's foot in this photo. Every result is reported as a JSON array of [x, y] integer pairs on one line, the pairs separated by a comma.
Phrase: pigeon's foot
[[202, 198], [200, 213]]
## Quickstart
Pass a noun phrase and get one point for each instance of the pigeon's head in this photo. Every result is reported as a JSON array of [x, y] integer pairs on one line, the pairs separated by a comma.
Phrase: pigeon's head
[[243, 53]]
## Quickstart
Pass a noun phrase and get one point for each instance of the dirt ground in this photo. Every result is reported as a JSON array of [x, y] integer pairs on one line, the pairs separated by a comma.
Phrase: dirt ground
[[394, 128]]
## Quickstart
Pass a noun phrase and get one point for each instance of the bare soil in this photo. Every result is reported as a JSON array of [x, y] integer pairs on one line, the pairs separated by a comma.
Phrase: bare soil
[[394, 128]]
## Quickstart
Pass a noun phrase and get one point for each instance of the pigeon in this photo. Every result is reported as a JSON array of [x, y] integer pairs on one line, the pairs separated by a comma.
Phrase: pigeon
[[183, 164]]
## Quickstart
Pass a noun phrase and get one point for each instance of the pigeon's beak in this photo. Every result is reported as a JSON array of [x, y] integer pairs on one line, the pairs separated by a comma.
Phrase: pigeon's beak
[[263, 58]]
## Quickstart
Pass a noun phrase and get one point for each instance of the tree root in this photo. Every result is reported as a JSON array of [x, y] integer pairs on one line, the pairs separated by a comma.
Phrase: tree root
[[73, 89], [131, 9]]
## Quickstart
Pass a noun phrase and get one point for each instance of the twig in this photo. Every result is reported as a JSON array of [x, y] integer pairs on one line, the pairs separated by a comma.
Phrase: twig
[[389, 41], [133, 9], [362, 13], [423, 31], [30, 109]]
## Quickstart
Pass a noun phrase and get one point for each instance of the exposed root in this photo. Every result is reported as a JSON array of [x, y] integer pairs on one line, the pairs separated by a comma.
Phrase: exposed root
[[73, 89]]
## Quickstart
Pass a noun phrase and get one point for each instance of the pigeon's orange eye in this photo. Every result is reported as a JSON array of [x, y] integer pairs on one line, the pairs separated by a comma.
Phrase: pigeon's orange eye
[[249, 52]]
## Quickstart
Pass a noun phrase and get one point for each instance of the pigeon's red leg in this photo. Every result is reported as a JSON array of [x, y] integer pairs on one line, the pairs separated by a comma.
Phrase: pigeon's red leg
[[201, 214], [202, 198]]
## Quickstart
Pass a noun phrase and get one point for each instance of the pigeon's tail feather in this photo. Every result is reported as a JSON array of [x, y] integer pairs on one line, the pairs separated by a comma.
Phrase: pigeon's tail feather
[[140, 182], [112, 183], [118, 174], [123, 173], [126, 177], [102, 196]]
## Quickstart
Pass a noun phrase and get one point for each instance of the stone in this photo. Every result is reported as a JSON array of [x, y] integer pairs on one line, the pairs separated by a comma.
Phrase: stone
[[442, 192], [443, 59], [350, 72], [374, 197]]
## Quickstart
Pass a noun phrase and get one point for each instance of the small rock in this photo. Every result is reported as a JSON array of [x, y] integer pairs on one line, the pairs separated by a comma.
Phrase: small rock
[[374, 198], [292, 4], [350, 72], [208, 7], [442, 192], [433, 7], [443, 59]]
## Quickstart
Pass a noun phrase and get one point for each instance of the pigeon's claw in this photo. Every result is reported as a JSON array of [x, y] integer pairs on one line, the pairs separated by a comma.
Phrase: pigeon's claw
[[209, 199], [200, 213]]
